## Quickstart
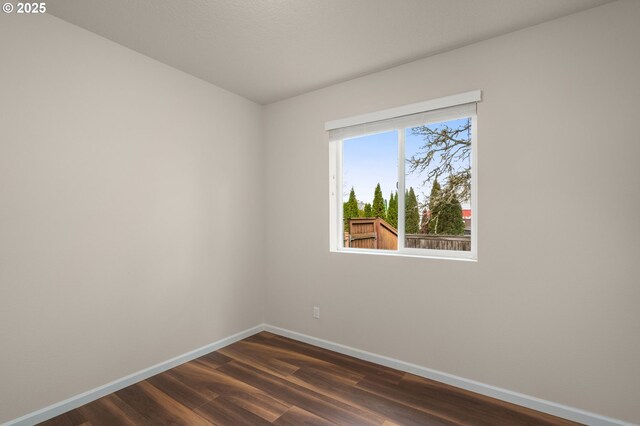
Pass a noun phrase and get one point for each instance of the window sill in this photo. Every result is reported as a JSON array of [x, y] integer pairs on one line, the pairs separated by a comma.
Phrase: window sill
[[462, 257]]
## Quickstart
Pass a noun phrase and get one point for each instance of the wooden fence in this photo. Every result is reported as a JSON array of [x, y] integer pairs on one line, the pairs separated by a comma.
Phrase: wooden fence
[[375, 233], [371, 233], [438, 242]]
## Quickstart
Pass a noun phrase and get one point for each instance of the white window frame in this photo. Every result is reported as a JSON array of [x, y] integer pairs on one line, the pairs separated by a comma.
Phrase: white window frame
[[336, 225]]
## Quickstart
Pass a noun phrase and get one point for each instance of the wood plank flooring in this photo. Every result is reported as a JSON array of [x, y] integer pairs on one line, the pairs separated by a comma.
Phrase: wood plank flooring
[[268, 379]]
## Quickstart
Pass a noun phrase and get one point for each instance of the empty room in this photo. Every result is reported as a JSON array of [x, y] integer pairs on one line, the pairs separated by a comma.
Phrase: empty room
[[320, 212]]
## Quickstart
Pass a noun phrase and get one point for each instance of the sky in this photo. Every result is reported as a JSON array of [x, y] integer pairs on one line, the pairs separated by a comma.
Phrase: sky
[[372, 159]]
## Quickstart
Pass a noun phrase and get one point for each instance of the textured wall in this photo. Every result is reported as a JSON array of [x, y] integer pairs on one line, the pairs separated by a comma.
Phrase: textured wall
[[551, 307], [127, 192]]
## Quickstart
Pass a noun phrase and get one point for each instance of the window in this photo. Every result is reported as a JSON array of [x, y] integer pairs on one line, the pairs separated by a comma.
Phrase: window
[[402, 181]]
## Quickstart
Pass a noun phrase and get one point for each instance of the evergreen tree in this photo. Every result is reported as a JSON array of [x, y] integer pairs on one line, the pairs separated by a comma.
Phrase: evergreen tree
[[350, 209], [412, 214], [446, 212], [451, 217], [434, 200], [406, 209], [345, 216], [392, 211], [377, 209], [367, 210]]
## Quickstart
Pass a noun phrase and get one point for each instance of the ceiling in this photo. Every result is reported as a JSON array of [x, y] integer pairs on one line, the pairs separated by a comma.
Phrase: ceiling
[[268, 50]]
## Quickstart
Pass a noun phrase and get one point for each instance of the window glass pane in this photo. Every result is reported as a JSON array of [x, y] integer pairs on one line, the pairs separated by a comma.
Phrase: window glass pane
[[438, 186], [369, 185]]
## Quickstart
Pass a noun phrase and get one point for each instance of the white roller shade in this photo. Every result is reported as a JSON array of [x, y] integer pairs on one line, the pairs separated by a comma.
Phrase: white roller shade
[[434, 111]]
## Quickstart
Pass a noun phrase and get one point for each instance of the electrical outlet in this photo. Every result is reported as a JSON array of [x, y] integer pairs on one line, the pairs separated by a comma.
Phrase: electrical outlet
[[316, 312]]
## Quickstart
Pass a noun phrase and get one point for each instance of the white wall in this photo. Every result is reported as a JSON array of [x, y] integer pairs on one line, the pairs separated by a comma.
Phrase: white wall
[[129, 193], [551, 307]]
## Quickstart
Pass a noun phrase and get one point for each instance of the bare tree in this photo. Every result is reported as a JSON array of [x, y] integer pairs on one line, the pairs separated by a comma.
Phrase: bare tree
[[446, 152]]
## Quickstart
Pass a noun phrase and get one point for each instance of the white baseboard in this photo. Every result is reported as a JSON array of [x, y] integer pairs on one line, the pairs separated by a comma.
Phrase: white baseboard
[[538, 404], [93, 394], [531, 402]]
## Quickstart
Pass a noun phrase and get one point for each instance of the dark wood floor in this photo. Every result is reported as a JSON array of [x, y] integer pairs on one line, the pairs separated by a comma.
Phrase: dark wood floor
[[268, 379]]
